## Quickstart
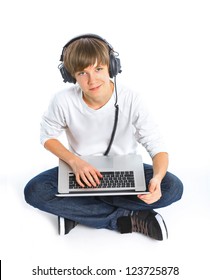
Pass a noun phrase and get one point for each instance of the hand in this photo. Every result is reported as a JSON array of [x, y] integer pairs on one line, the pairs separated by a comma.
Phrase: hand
[[86, 174], [155, 192]]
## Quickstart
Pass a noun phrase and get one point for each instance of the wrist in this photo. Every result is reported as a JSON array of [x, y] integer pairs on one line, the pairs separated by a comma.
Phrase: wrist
[[158, 178], [71, 159]]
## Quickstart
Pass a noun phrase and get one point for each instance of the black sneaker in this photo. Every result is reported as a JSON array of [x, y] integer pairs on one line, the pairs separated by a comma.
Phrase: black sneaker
[[149, 223], [65, 225]]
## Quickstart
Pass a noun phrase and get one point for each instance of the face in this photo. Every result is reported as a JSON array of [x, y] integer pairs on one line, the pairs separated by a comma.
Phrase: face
[[94, 81]]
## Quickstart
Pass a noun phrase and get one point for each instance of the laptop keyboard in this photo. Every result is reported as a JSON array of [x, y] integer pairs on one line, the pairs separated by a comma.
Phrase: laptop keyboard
[[116, 180]]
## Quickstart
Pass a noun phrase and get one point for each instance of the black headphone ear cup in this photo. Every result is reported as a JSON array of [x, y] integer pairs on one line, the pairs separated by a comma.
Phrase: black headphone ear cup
[[114, 65], [66, 75]]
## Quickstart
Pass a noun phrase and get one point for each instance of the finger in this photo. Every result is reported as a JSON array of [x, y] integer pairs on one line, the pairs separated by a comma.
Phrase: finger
[[82, 180], [96, 175], [87, 179], [144, 197], [99, 173], [152, 187], [91, 179], [147, 200], [79, 181]]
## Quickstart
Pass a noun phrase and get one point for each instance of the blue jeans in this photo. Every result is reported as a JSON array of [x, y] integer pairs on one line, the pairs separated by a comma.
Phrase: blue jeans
[[98, 211]]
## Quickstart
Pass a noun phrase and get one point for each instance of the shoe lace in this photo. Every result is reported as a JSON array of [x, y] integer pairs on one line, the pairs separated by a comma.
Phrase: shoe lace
[[139, 225]]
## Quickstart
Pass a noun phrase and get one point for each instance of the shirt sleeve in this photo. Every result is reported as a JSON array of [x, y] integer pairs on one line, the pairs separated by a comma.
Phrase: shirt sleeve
[[53, 122], [146, 130]]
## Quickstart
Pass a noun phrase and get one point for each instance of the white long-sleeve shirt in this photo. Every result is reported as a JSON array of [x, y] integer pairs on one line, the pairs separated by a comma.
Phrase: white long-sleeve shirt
[[88, 131]]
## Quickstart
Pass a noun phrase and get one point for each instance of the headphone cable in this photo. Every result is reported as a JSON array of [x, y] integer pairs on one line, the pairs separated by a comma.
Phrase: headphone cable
[[115, 119]]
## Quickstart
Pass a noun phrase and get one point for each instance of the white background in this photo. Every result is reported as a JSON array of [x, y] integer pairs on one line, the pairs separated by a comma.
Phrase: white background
[[164, 51]]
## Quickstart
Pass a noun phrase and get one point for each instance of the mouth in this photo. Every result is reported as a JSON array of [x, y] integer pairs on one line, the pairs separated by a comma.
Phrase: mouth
[[95, 88]]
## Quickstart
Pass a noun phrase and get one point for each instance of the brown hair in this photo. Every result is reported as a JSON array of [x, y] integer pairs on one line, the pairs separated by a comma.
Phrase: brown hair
[[85, 52]]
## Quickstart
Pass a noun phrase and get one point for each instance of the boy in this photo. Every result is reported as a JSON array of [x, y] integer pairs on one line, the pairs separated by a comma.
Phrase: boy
[[85, 112]]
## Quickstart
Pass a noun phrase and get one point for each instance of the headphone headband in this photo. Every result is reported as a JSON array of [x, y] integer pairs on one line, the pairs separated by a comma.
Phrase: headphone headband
[[88, 35]]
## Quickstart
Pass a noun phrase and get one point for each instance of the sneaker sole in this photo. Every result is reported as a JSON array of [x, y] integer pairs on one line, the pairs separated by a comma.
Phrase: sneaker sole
[[162, 226], [61, 226]]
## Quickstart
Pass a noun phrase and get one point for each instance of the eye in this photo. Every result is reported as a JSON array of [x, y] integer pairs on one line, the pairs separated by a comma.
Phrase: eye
[[82, 73], [99, 69]]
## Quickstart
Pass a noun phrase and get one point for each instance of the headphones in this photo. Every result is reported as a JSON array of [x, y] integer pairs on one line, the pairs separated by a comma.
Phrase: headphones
[[114, 61]]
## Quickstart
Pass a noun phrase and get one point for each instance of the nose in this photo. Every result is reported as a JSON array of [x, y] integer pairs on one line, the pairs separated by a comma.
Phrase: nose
[[91, 77]]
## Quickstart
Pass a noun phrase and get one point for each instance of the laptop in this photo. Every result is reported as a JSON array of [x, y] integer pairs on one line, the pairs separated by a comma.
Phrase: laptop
[[122, 175]]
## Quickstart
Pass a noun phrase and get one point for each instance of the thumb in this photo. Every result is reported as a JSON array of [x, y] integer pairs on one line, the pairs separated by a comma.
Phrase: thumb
[[152, 186]]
